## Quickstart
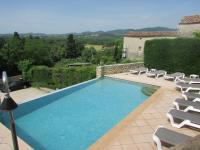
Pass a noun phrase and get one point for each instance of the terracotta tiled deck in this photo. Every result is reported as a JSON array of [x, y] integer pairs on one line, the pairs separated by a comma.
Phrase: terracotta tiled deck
[[135, 132]]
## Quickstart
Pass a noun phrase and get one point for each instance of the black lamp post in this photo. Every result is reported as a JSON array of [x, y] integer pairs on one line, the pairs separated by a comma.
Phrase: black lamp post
[[7, 105]]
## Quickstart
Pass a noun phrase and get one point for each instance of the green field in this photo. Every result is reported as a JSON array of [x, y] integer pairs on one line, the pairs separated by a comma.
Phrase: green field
[[97, 47]]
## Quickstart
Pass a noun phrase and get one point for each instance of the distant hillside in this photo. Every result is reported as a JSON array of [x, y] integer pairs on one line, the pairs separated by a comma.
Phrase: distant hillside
[[123, 31], [118, 32], [156, 29]]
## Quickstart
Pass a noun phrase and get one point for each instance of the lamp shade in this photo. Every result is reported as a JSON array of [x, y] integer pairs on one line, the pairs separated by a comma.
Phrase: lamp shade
[[8, 103]]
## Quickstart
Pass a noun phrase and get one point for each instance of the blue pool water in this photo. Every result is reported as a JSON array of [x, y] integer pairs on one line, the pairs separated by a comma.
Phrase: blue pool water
[[74, 118]]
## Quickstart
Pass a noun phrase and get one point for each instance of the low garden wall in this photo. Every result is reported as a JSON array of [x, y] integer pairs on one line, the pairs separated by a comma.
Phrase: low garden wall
[[117, 68], [13, 78]]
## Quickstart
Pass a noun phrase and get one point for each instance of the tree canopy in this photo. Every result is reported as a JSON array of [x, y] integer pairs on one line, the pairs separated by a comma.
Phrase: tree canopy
[[17, 52]]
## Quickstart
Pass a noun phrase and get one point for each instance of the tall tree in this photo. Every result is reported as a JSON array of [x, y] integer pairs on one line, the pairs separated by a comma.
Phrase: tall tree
[[71, 49], [37, 51], [57, 52], [80, 48], [2, 42], [24, 66], [117, 51], [14, 51]]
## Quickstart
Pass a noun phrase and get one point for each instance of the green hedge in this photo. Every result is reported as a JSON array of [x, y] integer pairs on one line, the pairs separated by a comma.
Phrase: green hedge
[[173, 55], [40, 74], [59, 77]]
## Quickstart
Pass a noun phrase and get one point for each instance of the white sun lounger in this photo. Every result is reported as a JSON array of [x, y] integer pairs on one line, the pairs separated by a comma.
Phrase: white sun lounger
[[187, 105], [156, 73], [151, 73], [189, 80], [186, 118], [195, 97], [139, 70], [174, 76], [188, 87], [172, 138]]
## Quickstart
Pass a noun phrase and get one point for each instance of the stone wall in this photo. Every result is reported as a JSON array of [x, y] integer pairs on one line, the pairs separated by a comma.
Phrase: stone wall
[[117, 68]]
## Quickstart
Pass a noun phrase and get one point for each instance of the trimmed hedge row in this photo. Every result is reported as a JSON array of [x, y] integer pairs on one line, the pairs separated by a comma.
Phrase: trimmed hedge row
[[60, 77], [173, 55]]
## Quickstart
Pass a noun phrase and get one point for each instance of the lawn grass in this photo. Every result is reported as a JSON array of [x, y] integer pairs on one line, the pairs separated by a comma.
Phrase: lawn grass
[[97, 47]]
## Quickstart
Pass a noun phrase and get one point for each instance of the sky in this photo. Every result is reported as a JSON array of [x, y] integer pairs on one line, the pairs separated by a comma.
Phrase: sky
[[64, 16]]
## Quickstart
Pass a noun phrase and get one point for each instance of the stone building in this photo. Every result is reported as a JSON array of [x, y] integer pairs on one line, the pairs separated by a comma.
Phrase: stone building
[[189, 25], [134, 41]]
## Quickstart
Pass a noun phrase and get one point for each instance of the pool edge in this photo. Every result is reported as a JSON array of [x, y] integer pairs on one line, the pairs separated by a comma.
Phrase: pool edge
[[56, 91]]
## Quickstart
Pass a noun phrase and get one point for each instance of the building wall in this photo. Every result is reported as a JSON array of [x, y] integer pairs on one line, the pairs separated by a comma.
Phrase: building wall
[[134, 46], [186, 30]]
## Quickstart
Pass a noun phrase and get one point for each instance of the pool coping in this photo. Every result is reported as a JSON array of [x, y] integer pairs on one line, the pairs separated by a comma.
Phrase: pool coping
[[132, 82], [103, 141], [59, 90]]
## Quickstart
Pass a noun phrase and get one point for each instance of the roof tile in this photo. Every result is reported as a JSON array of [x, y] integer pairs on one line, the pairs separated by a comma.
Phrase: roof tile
[[152, 34], [190, 19]]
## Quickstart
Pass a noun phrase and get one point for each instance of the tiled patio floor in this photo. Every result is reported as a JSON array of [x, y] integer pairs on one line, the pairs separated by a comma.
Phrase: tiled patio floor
[[137, 134], [6, 140]]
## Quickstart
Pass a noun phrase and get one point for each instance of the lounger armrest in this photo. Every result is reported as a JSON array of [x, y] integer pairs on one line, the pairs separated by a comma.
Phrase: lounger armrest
[[177, 79], [156, 138], [196, 100], [184, 96]]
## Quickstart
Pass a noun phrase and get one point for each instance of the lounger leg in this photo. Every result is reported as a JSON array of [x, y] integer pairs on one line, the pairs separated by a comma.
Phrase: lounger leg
[[176, 79], [182, 90], [157, 141], [196, 100], [176, 105], [188, 89], [184, 96]]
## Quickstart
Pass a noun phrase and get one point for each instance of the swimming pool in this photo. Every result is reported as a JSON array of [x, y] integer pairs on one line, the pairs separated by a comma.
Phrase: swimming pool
[[76, 117]]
